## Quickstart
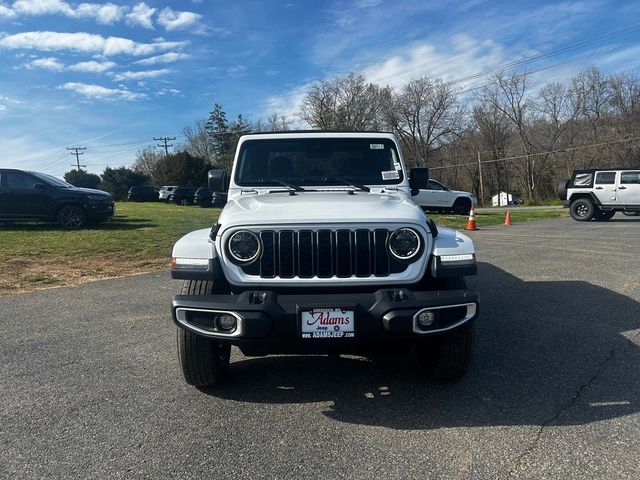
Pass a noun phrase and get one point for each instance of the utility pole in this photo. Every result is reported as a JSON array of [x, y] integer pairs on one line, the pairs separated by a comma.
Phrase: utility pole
[[481, 183], [76, 151], [166, 145]]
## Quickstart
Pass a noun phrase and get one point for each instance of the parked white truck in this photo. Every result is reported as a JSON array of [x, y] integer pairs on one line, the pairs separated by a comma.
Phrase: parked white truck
[[319, 250]]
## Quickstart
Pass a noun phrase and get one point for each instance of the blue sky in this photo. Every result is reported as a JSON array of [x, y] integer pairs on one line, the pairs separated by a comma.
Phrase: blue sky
[[109, 76]]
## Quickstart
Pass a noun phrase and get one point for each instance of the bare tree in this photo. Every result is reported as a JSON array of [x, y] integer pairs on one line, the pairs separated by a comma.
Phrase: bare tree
[[348, 102], [425, 114], [197, 142], [146, 160], [278, 123], [509, 94], [493, 133]]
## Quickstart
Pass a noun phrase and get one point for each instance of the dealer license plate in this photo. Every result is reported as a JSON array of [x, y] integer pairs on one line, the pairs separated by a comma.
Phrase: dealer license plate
[[327, 323]]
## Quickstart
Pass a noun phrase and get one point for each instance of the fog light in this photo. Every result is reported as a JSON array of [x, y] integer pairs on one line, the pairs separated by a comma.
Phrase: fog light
[[226, 323], [426, 319]]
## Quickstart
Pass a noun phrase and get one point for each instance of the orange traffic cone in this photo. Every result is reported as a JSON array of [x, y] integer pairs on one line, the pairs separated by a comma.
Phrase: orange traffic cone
[[507, 219], [471, 223]]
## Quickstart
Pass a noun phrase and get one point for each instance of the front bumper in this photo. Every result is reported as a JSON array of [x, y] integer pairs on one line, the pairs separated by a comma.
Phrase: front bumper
[[100, 210], [384, 320]]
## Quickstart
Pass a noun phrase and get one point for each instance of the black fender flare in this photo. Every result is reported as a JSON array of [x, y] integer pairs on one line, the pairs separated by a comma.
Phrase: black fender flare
[[588, 195]]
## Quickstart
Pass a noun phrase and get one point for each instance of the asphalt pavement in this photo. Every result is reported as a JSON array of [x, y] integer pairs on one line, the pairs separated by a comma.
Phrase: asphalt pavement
[[90, 386]]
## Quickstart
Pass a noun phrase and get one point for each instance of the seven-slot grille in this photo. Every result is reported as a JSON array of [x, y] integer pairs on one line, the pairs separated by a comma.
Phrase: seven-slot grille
[[324, 253]]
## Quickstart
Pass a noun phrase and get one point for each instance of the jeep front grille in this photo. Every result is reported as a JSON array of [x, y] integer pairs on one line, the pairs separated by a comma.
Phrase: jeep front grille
[[324, 254]]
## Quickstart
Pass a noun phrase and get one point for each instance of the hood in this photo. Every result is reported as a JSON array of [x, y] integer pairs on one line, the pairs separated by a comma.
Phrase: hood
[[320, 208], [90, 191]]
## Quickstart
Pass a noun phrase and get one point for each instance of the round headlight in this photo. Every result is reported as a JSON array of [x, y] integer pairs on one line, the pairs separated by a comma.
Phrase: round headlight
[[404, 244], [244, 246]]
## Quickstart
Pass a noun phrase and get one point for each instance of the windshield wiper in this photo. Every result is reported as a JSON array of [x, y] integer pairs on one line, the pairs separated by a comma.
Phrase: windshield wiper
[[296, 188], [363, 188], [292, 187]]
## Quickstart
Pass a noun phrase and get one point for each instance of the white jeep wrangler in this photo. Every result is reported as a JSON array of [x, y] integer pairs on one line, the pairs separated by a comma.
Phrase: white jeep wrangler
[[320, 250], [599, 194]]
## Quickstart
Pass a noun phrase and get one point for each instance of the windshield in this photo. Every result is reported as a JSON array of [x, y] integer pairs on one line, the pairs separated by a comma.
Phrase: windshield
[[56, 182], [318, 161]]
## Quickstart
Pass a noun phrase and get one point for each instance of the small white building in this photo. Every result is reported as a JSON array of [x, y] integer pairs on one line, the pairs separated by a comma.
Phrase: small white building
[[502, 199]]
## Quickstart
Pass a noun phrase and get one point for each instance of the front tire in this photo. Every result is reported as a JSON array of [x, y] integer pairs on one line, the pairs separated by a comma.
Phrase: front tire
[[71, 217], [582, 210], [204, 361], [446, 357], [184, 202], [462, 206]]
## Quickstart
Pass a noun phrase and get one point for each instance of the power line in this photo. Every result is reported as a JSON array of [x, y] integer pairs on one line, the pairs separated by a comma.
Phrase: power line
[[538, 154], [76, 151], [165, 146]]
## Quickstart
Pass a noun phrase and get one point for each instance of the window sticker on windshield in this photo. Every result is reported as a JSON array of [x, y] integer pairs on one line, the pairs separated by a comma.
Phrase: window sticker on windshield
[[376, 146], [397, 165], [390, 175]]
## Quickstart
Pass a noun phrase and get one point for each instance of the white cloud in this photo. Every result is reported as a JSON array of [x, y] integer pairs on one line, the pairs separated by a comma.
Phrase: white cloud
[[84, 42], [46, 63], [92, 67], [2, 108], [6, 12], [287, 104], [172, 20], [141, 15], [100, 92], [367, 3], [168, 57], [238, 71], [106, 14], [168, 91], [42, 7], [103, 13], [464, 56], [53, 64], [142, 74]]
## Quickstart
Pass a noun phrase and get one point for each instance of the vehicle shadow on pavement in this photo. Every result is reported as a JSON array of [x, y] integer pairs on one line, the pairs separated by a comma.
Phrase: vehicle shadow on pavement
[[547, 353]]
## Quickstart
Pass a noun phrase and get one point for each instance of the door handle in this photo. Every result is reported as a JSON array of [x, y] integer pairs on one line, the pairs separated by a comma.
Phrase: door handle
[[598, 188], [622, 188]]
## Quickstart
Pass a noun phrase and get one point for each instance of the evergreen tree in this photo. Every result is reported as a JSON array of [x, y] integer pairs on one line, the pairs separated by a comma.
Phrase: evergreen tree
[[217, 128], [82, 178]]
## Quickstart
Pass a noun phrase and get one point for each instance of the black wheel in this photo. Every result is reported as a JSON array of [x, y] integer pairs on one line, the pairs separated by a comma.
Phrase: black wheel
[[71, 217], [631, 214], [582, 209], [446, 357], [184, 201], [462, 206], [604, 215], [204, 361]]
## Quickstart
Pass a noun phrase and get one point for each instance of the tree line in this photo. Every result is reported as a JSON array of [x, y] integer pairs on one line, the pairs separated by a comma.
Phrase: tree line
[[523, 137]]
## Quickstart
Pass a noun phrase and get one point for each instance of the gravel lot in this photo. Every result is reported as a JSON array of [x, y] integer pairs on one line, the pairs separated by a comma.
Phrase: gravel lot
[[89, 384]]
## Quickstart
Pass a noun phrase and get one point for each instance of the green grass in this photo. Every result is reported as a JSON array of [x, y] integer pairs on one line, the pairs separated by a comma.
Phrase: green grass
[[138, 238], [484, 219], [137, 231]]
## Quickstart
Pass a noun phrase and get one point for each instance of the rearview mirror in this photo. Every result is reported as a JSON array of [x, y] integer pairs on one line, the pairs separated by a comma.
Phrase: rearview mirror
[[41, 187], [218, 181], [418, 179]]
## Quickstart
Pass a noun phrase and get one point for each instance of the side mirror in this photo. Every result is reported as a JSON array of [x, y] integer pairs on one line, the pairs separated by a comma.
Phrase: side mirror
[[40, 187], [218, 181], [418, 179]]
